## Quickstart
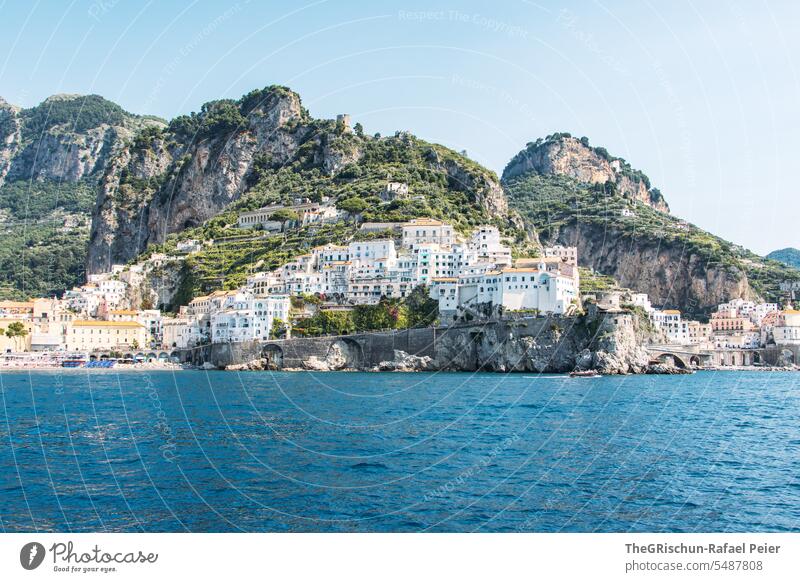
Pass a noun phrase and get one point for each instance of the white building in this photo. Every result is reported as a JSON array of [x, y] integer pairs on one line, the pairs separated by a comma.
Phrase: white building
[[180, 333], [427, 230], [528, 288], [787, 331], [670, 322], [248, 318], [486, 244], [642, 300], [567, 254]]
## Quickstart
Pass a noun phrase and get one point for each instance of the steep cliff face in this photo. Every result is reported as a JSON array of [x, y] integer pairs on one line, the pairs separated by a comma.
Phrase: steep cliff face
[[264, 149], [562, 155], [51, 159], [10, 136], [66, 138], [671, 273], [182, 177], [618, 234]]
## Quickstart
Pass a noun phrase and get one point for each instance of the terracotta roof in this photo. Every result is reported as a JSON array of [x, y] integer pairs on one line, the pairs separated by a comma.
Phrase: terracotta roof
[[16, 304], [92, 323], [424, 222], [519, 270], [124, 312]]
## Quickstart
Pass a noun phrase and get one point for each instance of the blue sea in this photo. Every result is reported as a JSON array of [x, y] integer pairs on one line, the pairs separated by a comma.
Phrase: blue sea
[[96, 450]]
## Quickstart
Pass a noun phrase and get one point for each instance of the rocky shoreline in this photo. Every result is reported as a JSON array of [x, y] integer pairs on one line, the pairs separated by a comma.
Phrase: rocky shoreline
[[407, 363]]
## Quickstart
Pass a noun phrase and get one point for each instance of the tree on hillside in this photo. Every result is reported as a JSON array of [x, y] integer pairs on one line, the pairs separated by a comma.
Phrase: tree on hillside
[[421, 309], [284, 216], [352, 205]]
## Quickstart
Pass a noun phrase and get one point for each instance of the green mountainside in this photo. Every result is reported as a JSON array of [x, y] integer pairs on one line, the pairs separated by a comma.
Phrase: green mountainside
[[145, 185], [788, 256], [678, 264], [193, 178], [51, 158]]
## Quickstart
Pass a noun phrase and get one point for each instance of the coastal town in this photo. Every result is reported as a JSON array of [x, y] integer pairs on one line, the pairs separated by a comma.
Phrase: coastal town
[[471, 278]]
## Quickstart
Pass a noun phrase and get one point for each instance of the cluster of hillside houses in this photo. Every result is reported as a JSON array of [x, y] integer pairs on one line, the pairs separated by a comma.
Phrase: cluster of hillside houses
[[470, 277]]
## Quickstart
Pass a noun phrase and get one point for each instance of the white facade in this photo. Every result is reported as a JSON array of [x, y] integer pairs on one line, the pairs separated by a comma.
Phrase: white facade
[[523, 288], [427, 230], [180, 333], [248, 318], [567, 254], [486, 244]]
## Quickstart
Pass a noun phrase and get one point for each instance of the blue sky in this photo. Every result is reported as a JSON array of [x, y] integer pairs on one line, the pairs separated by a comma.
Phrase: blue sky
[[702, 96]]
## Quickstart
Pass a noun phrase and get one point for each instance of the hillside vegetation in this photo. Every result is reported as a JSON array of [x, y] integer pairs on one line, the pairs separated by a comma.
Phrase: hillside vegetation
[[44, 235], [788, 256], [676, 263]]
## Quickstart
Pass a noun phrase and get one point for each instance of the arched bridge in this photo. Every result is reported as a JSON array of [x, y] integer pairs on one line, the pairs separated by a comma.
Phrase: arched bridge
[[680, 355]]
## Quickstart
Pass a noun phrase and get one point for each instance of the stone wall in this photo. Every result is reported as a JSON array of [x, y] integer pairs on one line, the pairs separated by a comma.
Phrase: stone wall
[[608, 342]]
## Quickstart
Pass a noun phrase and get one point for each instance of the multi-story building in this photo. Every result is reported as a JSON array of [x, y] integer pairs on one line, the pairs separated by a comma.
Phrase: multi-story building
[[91, 335], [248, 318], [426, 231], [527, 287], [485, 242], [567, 254], [787, 330], [699, 333], [672, 324], [180, 333], [729, 320]]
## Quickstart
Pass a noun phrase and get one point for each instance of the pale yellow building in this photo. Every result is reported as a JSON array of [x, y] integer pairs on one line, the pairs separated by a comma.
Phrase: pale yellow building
[[84, 335], [16, 343]]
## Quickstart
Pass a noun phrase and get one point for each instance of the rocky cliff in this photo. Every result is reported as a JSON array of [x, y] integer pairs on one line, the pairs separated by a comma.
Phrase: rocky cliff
[[564, 155], [610, 343], [572, 196], [265, 148], [66, 138], [51, 159]]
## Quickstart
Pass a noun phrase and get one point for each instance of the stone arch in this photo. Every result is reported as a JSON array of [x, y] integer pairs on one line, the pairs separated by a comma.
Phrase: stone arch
[[128, 356], [272, 354], [670, 358], [163, 356], [756, 358], [694, 362], [345, 353], [151, 356]]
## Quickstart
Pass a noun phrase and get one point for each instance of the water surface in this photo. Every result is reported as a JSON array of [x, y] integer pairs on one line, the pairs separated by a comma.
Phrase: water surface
[[259, 451]]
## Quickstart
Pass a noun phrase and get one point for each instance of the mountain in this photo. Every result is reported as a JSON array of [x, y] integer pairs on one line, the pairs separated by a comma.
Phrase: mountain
[[563, 155], [145, 185], [574, 194], [193, 177], [788, 256], [52, 157]]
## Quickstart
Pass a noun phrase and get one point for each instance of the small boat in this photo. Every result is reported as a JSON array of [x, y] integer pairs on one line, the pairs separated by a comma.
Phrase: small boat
[[584, 374], [73, 363]]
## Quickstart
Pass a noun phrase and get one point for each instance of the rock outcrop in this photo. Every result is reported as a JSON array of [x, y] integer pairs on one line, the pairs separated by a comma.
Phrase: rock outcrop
[[564, 155], [177, 181], [670, 274], [610, 343], [404, 362], [66, 138]]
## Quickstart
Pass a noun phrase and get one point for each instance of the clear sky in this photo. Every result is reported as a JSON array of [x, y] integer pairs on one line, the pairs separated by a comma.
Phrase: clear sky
[[702, 96]]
